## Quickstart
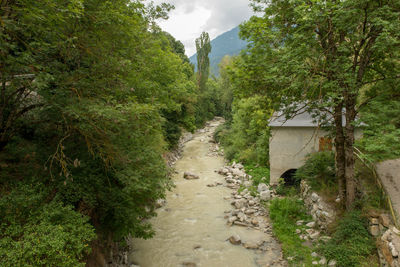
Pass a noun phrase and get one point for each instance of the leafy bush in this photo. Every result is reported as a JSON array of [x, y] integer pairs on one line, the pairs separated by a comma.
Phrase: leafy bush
[[260, 174], [381, 131], [247, 139], [284, 213], [351, 244], [37, 234], [318, 170]]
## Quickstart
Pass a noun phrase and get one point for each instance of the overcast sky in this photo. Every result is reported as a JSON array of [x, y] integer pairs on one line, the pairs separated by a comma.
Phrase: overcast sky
[[191, 17]]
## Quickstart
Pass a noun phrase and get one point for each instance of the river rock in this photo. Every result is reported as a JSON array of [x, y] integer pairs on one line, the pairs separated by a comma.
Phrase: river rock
[[235, 240], [332, 263], [265, 195], [314, 197], [322, 261], [251, 245], [262, 187], [242, 217], [238, 173], [393, 250], [232, 219], [314, 235], [160, 203], [223, 171], [249, 211], [240, 203], [189, 264], [240, 223], [384, 219], [190, 176], [374, 230], [311, 224]]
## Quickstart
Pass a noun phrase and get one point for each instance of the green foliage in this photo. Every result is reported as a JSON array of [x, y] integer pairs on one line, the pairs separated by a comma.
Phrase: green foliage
[[323, 55], [92, 96], [260, 174], [382, 128], [351, 243], [203, 48], [284, 213], [36, 233], [248, 138], [318, 170]]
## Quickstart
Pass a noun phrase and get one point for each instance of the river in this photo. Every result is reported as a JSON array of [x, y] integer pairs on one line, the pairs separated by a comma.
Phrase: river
[[191, 229]]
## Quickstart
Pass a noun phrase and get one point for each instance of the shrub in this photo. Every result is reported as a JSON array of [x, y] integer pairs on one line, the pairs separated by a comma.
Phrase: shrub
[[260, 174], [318, 170], [284, 213], [351, 244], [37, 234], [248, 136]]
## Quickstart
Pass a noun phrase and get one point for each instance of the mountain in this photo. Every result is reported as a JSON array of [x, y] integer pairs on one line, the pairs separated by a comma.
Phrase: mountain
[[227, 43]]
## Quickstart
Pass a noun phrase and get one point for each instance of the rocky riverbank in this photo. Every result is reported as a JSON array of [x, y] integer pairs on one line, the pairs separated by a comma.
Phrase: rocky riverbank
[[207, 219]]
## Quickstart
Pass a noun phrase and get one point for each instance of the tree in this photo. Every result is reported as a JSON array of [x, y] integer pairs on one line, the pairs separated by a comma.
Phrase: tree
[[326, 55], [203, 48]]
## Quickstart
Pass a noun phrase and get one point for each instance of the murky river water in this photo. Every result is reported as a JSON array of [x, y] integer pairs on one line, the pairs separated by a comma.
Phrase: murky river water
[[191, 228]]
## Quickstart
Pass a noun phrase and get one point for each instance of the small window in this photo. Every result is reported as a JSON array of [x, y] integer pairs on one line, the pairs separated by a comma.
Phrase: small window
[[325, 144]]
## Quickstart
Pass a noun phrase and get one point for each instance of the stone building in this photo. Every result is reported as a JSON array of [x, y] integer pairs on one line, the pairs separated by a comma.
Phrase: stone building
[[291, 141]]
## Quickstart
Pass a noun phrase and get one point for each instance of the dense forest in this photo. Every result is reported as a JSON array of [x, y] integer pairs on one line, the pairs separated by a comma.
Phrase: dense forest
[[93, 95]]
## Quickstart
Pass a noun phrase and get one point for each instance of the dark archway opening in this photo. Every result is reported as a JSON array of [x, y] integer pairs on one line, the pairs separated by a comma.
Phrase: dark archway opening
[[289, 178]]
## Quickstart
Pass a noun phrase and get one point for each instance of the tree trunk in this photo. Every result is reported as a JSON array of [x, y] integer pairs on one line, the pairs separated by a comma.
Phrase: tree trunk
[[340, 151], [349, 151]]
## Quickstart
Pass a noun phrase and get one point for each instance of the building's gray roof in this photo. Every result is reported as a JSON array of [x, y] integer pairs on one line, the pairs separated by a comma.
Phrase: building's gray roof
[[304, 119]]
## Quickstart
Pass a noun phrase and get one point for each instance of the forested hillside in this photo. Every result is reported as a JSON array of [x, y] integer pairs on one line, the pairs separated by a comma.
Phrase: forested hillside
[[227, 43]]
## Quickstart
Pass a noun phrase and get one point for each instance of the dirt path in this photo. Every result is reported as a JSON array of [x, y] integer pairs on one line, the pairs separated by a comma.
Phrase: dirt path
[[389, 173], [191, 229]]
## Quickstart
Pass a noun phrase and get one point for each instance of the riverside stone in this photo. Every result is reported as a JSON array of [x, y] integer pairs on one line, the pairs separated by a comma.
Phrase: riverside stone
[[314, 197], [235, 240], [322, 261], [265, 195], [374, 230], [384, 219], [332, 263], [160, 203], [190, 176], [311, 224], [262, 187]]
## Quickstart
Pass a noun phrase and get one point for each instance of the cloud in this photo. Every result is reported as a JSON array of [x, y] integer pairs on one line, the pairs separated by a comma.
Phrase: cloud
[[191, 17]]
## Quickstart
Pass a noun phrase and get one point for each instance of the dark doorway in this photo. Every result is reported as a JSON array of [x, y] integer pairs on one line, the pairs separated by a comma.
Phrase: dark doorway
[[289, 178]]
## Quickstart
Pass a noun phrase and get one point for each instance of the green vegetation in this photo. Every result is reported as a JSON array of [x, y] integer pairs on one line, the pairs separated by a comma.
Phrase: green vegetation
[[284, 214], [323, 55], [93, 94], [247, 137], [351, 244], [319, 170]]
